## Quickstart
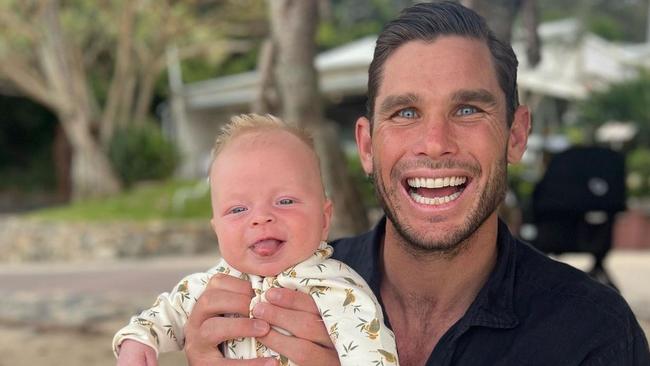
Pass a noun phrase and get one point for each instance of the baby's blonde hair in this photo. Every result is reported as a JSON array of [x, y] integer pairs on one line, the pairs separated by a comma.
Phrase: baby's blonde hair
[[248, 123]]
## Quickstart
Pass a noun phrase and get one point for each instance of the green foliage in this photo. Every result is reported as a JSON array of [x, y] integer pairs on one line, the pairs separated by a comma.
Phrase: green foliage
[[329, 34], [26, 134], [607, 27], [520, 182], [150, 201], [238, 63], [625, 101], [638, 171], [142, 153], [353, 19], [613, 20], [363, 183], [37, 174]]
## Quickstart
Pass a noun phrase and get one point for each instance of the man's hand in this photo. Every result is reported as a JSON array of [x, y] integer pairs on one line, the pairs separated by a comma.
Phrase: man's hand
[[207, 328], [297, 313], [133, 353]]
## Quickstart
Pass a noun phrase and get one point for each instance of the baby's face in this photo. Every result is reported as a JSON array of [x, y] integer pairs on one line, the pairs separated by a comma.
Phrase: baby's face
[[268, 206]]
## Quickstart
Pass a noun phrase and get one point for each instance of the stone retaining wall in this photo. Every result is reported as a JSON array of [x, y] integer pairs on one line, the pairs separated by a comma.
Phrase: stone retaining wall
[[25, 240]]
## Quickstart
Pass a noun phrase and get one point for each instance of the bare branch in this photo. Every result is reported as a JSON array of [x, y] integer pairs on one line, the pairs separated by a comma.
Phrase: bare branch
[[266, 98], [11, 20], [121, 73], [225, 46], [28, 82]]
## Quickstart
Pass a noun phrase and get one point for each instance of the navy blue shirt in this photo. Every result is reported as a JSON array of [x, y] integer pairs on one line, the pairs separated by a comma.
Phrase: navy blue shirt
[[531, 311]]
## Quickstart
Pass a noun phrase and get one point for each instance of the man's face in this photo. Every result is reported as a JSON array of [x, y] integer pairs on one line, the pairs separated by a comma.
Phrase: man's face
[[440, 143], [269, 209]]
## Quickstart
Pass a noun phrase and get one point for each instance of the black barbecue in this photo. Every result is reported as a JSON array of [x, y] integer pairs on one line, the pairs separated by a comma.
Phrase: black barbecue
[[574, 205]]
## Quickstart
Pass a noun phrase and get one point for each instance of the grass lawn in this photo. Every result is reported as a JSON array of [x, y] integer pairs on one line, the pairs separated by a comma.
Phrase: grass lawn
[[147, 201]]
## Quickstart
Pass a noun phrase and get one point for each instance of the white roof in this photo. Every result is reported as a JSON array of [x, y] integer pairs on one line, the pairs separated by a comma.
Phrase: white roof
[[574, 63], [571, 66]]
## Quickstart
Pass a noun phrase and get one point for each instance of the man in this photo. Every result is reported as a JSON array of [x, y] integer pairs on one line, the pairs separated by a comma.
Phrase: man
[[457, 289]]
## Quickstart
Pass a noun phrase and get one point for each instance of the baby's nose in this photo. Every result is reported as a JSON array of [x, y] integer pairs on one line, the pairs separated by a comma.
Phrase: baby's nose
[[262, 219]]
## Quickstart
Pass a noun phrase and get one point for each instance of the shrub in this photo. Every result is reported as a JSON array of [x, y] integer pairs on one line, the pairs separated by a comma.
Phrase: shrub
[[141, 153], [638, 170]]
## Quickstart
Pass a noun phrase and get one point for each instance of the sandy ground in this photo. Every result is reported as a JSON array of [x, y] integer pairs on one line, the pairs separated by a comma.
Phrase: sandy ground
[[33, 343], [20, 345]]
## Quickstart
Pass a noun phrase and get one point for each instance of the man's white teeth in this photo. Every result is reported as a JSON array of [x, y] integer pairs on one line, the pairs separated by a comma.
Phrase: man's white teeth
[[436, 182], [434, 201]]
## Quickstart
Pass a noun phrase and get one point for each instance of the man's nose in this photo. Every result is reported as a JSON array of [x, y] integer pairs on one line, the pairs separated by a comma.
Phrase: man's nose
[[436, 138]]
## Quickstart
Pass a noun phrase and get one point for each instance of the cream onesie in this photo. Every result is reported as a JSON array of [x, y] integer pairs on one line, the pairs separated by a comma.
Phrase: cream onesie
[[349, 309]]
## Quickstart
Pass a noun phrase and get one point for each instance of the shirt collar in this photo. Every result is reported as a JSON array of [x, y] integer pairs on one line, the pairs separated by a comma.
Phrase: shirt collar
[[494, 304]]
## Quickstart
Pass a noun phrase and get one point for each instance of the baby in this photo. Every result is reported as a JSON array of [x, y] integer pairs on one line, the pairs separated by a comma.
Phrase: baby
[[271, 218]]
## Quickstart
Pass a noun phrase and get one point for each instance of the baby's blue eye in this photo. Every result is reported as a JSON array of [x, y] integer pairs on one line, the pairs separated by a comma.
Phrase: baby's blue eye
[[466, 110], [286, 201], [238, 209], [407, 113]]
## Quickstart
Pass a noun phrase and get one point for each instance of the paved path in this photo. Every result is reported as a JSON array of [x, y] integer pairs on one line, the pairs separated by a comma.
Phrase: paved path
[[61, 300], [128, 277], [135, 283]]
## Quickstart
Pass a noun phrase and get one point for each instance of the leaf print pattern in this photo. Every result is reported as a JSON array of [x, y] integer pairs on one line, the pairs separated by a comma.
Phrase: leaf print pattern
[[339, 293]]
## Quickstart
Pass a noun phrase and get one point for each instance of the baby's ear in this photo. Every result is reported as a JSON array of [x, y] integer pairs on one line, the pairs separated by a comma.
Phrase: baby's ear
[[213, 223], [328, 209]]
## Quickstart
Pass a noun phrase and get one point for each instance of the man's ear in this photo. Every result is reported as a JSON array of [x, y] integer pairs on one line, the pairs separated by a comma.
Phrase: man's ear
[[518, 137], [363, 135], [328, 209]]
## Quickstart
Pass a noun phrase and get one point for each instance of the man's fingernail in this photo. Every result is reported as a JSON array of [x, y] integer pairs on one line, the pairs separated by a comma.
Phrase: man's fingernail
[[260, 325], [273, 295], [258, 310]]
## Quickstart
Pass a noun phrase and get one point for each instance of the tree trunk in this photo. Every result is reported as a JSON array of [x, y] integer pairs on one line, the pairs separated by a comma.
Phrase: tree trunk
[[531, 22], [293, 25], [500, 16], [122, 83], [62, 155], [91, 172], [266, 98], [145, 91]]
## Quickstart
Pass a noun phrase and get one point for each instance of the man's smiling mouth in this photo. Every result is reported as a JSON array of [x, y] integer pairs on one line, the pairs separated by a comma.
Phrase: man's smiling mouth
[[435, 191]]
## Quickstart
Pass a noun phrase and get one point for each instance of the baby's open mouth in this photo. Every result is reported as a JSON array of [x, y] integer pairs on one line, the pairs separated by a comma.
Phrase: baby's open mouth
[[266, 247], [435, 191]]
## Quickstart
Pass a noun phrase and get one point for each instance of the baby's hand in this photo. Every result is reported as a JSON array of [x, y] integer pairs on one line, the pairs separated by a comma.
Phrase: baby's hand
[[133, 353]]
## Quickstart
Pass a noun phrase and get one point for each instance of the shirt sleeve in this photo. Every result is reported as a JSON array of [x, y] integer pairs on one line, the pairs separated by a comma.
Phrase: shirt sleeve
[[161, 326], [628, 350]]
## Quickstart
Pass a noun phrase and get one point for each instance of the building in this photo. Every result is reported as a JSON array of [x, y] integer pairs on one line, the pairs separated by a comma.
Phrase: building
[[574, 63]]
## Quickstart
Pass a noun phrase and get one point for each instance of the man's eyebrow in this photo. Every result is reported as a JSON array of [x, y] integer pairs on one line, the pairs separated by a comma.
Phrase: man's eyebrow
[[474, 95], [394, 101]]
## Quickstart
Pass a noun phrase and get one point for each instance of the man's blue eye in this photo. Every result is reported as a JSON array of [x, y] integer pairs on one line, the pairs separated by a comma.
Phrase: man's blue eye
[[235, 210], [407, 113], [466, 110], [286, 201]]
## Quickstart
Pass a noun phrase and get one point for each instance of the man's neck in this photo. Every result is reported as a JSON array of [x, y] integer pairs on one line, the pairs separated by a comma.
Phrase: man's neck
[[425, 295]]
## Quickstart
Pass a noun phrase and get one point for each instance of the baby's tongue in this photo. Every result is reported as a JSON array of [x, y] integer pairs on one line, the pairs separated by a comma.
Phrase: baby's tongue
[[266, 247]]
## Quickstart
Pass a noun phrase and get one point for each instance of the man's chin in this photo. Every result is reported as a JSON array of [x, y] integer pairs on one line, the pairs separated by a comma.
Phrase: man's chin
[[422, 242], [433, 236]]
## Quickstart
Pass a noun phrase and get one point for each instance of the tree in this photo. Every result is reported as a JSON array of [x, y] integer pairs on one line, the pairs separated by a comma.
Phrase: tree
[[500, 16], [293, 27], [43, 63], [94, 64], [625, 101]]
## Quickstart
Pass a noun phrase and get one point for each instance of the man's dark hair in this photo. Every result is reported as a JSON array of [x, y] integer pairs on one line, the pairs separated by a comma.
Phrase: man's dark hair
[[427, 21]]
